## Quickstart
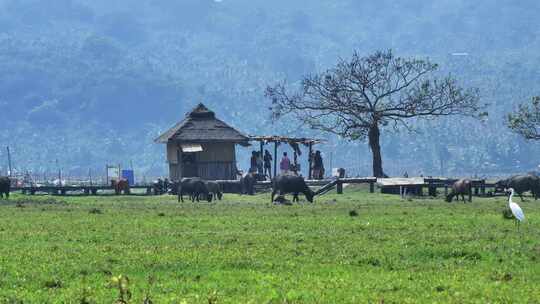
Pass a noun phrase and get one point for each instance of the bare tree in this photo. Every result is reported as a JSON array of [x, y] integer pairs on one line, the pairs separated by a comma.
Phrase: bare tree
[[359, 97], [526, 121]]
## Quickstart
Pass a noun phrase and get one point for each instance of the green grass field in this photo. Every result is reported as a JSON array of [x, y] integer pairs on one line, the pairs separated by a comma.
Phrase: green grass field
[[245, 250]]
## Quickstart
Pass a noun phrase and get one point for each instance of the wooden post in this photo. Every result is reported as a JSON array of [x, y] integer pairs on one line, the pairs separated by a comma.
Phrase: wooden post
[[483, 187], [59, 173], [179, 165], [90, 176], [446, 190], [295, 162], [310, 158], [372, 187], [9, 162], [275, 158], [432, 189], [339, 187]]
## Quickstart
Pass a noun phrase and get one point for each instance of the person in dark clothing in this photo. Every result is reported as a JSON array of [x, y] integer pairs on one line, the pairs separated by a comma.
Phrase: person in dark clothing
[[253, 162], [318, 166], [268, 164], [295, 168]]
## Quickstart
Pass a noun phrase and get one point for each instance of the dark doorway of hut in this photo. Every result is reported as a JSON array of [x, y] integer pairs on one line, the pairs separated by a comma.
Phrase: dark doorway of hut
[[189, 163]]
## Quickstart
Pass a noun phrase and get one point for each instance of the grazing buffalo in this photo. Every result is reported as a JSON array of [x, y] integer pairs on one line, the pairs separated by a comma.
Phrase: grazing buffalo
[[214, 188], [284, 184], [195, 187], [461, 187], [521, 184], [5, 186], [248, 182], [120, 186]]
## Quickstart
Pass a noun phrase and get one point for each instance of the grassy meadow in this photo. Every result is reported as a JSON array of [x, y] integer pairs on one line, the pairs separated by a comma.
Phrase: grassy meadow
[[352, 248]]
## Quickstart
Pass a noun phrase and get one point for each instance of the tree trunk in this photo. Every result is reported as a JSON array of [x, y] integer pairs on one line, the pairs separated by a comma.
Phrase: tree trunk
[[374, 136]]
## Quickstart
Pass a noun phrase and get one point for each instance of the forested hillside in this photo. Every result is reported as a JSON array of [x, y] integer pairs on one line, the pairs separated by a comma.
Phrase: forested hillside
[[90, 82]]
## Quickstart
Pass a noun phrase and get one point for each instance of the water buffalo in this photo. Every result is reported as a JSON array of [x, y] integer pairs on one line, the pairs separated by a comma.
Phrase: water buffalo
[[120, 186], [248, 182], [461, 187], [284, 184], [521, 184], [195, 187], [214, 188], [5, 186]]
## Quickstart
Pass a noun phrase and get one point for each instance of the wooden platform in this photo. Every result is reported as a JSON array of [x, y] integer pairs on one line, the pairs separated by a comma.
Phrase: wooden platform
[[86, 190], [415, 186]]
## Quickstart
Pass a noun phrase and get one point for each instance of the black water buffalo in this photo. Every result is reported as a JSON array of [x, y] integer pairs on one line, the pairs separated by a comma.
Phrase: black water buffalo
[[521, 184], [195, 187], [248, 182], [214, 188], [5, 186], [461, 187], [284, 184]]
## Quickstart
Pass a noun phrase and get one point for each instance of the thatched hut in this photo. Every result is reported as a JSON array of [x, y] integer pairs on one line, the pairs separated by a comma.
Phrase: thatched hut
[[202, 146]]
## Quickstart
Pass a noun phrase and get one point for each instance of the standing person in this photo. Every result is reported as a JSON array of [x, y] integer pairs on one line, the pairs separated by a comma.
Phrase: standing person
[[318, 166], [159, 186], [166, 186], [268, 164], [295, 167], [260, 165], [285, 164], [253, 162]]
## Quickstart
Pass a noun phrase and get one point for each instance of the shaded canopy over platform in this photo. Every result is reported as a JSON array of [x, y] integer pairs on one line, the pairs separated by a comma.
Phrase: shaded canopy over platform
[[284, 139], [294, 142]]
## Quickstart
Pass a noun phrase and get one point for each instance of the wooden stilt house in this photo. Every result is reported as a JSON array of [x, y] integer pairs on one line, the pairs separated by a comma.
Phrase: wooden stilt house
[[202, 146]]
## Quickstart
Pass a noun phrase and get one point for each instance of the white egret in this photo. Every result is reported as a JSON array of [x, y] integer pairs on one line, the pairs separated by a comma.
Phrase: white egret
[[515, 208]]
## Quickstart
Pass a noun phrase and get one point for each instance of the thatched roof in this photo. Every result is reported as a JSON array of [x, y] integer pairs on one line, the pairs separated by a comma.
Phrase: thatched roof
[[202, 126]]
